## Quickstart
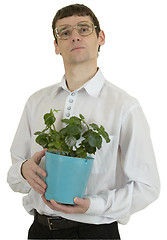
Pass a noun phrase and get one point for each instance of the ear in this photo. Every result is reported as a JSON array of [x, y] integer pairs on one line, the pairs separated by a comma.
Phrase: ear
[[101, 38], [57, 50]]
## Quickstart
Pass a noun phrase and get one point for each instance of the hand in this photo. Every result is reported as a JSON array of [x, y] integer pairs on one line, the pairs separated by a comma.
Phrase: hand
[[30, 169], [82, 205]]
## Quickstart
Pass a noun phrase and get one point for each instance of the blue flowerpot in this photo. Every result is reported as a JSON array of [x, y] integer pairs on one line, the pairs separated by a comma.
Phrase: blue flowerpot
[[67, 177]]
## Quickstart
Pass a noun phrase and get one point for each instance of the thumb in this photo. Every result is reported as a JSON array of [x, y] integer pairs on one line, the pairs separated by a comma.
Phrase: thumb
[[39, 155], [79, 201], [83, 203]]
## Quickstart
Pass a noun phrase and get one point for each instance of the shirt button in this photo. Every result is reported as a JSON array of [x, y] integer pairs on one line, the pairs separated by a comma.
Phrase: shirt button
[[71, 100], [73, 94], [69, 108], [67, 115]]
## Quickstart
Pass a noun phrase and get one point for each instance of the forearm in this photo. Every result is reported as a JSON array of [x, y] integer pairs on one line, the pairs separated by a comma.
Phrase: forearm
[[15, 178], [24, 174], [20, 152], [121, 203]]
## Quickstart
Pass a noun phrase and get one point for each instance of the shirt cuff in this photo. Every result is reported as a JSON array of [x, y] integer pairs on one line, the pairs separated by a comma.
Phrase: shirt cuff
[[24, 182], [96, 205], [20, 176], [16, 180]]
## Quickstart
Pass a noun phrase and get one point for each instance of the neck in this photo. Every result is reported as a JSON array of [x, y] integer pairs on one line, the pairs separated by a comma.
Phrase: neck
[[78, 74]]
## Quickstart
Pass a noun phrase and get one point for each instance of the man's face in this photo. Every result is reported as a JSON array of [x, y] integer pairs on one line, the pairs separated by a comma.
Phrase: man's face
[[78, 49]]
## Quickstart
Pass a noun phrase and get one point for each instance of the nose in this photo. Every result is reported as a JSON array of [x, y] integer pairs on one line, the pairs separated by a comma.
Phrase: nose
[[75, 37]]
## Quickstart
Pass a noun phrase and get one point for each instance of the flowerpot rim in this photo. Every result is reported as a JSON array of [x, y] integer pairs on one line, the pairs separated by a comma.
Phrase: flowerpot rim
[[66, 156]]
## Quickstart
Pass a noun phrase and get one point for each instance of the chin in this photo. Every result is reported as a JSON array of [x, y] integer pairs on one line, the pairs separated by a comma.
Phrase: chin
[[79, 59]]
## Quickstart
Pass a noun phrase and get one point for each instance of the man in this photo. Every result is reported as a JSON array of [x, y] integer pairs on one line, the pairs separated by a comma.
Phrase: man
[[124, 178]]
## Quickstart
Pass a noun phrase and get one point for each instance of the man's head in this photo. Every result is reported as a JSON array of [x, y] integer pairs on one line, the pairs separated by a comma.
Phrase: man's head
[[77, 33], [76, 10]]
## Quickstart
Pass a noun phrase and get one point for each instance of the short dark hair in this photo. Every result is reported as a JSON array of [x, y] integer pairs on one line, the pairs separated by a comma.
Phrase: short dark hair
[[75, 10]]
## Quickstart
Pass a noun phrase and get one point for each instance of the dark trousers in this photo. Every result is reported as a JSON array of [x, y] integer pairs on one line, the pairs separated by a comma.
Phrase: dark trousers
[[87, 231]]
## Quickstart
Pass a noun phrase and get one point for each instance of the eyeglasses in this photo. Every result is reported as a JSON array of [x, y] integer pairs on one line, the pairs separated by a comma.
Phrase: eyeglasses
[[83, 28]]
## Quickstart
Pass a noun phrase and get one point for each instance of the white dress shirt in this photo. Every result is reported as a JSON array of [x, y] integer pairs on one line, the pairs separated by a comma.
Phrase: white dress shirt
[[124, 177]]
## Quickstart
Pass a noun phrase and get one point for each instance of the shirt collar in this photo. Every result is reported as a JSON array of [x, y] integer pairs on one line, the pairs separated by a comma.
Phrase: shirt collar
[[92, 87]]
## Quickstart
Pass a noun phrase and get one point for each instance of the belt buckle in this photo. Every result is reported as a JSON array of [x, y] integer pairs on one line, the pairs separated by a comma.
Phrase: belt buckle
[[51, 224]]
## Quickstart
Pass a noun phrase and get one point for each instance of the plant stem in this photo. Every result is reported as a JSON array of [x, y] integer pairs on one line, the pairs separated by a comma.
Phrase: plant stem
[[54, 128], [86, 124]]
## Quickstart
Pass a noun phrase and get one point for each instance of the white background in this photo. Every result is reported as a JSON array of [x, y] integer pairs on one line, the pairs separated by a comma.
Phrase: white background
[[134, 58]]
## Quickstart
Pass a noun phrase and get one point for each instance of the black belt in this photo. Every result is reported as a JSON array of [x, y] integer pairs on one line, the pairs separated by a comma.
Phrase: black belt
[[55, 223]]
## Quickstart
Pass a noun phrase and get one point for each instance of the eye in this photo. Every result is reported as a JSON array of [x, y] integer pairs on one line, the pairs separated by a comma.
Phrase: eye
[[84, 29], [65, 33]]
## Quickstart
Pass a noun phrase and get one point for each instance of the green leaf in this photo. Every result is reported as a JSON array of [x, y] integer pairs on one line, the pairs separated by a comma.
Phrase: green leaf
[[37, 133], [92, 140], [54, 136], [65, 121], [56, 110], [70, 141], [90, 149], [98, 142], [104, 134], [49, 118], [65, 140], [87, 133], [102, 128], [75, 121], [83, 155], [95, 140], [81, 116], [42, 140], [94, 126], [72, 154], [51, 144], [80, 150], [63, 132], [78, 136], [73, 130], [106, 137], [65, 148], [55, 145]]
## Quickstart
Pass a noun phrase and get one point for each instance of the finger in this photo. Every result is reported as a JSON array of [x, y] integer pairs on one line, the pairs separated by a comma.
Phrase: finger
[[36, 187], [62, 208], [80, 201], [76, 200], [39, 170], [39, 181], [47, 202], [39, 189], [36, 182]]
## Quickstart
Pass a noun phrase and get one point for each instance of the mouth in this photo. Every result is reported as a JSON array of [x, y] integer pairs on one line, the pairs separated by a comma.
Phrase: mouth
[[77, 48]]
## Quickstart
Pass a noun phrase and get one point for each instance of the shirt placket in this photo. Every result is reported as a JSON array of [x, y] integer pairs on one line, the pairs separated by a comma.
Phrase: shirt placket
[[69, 105]]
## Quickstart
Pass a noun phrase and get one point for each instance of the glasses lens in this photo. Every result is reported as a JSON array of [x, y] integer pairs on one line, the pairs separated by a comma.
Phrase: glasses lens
[[85, 28], [64, 32]]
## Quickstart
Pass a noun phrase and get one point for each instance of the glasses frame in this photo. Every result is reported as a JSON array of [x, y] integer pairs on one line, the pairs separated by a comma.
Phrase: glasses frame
[[74, 27]]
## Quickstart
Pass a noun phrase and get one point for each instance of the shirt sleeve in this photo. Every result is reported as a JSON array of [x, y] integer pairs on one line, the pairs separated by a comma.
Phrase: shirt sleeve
[[140, 170], [20, 152]]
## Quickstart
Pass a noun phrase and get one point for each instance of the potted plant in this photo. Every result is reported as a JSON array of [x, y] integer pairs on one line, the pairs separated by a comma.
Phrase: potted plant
[[67, 162]]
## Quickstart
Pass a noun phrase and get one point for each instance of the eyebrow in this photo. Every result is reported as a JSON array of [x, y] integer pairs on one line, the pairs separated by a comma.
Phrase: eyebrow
[[68, 25], [83, 24], [62, 27]]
